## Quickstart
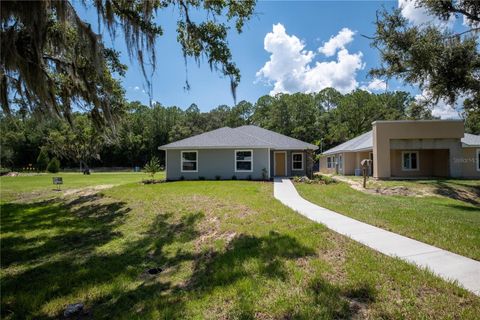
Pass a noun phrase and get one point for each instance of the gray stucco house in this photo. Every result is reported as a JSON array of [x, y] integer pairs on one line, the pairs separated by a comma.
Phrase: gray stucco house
[[246, 152]]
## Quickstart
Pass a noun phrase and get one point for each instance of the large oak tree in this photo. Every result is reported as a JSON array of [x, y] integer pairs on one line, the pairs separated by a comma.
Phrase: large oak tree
[[52, 61], [443, 62]]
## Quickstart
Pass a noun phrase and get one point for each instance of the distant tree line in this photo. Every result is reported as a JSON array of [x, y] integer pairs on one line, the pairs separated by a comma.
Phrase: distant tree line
[[326, 118]]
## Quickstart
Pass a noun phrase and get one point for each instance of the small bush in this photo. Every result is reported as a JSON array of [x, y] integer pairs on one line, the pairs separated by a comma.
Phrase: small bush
[[217, 177], [327, 179], [42, 160], [4, 171], [264, 174], [53, 165], [152, 167], [201, 178], [153, 181], [234, 177]]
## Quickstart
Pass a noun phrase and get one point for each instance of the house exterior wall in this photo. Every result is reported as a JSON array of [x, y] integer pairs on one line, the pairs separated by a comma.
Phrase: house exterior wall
[[290, 172], [385, 131], [359, 156], [323, 165], [349, 159], [470, 163], [216, 162], [431, 163]]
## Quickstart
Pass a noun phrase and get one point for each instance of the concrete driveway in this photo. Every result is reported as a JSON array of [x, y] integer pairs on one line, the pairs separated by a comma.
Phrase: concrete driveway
[[445, 264]]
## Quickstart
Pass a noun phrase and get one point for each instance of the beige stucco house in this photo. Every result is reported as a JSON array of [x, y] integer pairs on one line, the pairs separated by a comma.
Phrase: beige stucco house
[[409, 148]]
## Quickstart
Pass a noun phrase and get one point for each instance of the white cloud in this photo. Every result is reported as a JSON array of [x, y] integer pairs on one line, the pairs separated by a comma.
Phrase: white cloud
[[445, 111], [344, 37], [375, 85], [136, 88], [442, 109], [419, 16], [290, 66]]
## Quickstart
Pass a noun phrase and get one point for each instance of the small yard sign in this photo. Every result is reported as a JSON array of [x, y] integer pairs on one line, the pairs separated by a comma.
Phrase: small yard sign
[[57, 181]]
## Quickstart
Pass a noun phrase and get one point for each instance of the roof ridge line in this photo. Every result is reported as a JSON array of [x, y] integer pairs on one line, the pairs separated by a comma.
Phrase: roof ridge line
[[274, 132], [251, 135]]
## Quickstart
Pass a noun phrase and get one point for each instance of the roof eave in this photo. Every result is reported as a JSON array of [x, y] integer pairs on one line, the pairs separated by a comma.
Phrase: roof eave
[[465, 145], [326, 153], [212, 147]]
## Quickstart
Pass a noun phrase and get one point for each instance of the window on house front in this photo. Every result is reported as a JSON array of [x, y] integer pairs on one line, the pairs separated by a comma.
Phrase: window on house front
[[243, 160], [297, 161], [340, 162], [410, 160], [330, 162], [189, 161]]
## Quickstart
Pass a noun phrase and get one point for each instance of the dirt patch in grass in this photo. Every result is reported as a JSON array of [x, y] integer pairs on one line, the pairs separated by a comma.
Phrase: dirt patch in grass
[[465, 193], [374, 187], [88, 191], [209, 227]]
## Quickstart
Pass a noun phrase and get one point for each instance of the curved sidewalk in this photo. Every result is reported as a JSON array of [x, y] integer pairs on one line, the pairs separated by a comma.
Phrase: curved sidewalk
[[447, 265]]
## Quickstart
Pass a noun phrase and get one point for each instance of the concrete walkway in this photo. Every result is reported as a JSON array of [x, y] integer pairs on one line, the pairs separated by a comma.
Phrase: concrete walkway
[[445, 264]]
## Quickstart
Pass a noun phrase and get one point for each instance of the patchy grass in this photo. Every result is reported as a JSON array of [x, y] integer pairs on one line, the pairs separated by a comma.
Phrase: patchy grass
[[438, 220], [227, 250], [41, 185], [460, 189]]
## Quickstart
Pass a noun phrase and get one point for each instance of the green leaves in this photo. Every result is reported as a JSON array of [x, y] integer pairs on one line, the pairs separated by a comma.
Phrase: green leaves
[[53, 61], [444, 64], [152, 167]]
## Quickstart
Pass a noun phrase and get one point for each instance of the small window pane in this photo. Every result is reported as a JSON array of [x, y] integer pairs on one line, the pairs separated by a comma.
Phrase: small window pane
[[244, 165], [189, 166], [406, 160], [297, 165], [297, 157], [244, 155], [413, 161], [190, 156]]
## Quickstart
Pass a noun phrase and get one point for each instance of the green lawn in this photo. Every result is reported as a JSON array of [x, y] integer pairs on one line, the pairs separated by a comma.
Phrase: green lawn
[[228, 250], [460, 189], [36, 185], [438, 220]]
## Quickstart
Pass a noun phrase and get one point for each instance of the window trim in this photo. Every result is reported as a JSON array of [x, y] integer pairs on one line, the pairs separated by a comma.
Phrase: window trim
[[295, 153], [418, 161], [235, 158], [332, 162], [340, 162], [182, 161], [477, 160]]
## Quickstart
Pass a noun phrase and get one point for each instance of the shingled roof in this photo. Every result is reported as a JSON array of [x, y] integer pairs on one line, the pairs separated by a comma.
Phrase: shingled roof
[[360, 143], [471, 140], [241, 137], [364, 142]]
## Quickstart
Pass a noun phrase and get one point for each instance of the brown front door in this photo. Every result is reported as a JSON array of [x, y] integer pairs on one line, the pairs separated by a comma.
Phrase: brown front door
[[280, 167]]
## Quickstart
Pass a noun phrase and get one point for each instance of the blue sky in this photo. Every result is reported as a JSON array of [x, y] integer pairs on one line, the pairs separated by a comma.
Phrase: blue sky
[[302, 29]]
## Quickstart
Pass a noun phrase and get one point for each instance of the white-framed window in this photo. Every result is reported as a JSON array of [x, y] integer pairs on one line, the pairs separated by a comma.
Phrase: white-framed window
[[189, 161], [297, 161], [410, 161], [478, 159], [340, 162], [331, 162], [243, 160]]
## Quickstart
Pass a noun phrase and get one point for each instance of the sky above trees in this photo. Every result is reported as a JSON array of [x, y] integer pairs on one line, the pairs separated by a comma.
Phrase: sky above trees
[[286, 47]]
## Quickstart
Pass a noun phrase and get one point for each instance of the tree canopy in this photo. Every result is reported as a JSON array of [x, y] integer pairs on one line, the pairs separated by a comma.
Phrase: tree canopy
[[444, 63], [52, 60], [326, 118]]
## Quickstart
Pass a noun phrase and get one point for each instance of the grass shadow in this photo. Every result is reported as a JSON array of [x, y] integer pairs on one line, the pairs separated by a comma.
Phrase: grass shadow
[[466, 193]]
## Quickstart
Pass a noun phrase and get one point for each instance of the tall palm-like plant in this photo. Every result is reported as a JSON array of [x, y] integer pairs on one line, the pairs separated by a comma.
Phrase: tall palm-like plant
[[152, 167]]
